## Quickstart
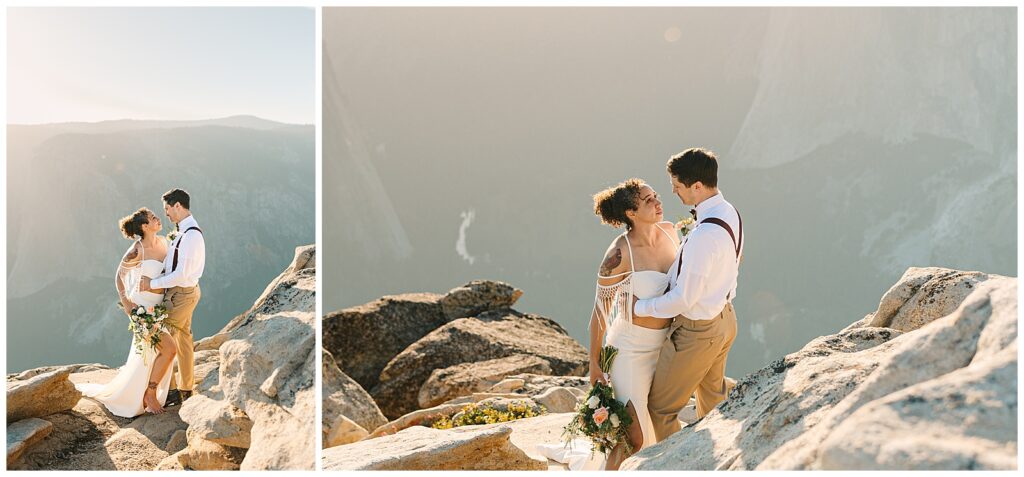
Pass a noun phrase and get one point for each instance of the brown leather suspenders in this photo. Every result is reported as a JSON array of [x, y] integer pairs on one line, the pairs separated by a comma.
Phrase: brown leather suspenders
[[174, 262], [721, 223]]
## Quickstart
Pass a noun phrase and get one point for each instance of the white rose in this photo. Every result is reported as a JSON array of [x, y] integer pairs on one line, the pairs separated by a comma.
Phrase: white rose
[[141, 311], [593, 402], [615, 420]]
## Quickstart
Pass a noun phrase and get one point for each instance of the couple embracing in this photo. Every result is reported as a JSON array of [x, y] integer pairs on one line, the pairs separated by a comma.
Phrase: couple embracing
[[156, 273], [665, 303]]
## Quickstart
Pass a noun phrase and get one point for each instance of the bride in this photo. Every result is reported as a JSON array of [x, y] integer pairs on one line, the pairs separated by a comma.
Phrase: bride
[[141, 384], [636, 263]]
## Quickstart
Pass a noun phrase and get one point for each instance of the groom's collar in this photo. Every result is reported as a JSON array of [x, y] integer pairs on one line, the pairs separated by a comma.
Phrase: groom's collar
[[187, 222], [711, 202]]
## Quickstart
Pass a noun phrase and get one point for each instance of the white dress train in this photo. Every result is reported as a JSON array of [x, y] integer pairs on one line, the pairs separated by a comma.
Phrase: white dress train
[[632, 370], [122, 396]]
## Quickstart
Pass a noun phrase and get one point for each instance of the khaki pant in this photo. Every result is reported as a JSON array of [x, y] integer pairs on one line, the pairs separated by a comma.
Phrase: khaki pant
[[181, 302], [691, 360]]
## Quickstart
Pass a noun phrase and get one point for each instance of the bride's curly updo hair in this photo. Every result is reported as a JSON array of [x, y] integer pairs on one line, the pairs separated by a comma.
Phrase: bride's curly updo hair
[[131, 226], [612, 203]]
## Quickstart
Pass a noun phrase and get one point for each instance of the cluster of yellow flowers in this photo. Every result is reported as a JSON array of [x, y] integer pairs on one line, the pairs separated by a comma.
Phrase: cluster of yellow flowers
[[474, 414], [685, 225]]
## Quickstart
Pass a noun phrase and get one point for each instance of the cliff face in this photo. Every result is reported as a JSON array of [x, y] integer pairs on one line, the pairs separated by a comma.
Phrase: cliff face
[[261, 396], [927, 381], [911, 73], [254, 406]]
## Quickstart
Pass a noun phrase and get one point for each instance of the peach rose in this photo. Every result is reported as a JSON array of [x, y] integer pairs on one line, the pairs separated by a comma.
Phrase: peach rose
[[600, 415]]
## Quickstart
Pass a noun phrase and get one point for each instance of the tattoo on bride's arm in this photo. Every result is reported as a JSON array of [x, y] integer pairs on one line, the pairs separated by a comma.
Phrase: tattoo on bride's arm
[[132, 254], [611, 260]]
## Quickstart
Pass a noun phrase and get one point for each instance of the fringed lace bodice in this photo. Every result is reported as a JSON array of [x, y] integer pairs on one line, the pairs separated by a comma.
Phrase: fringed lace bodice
[[614, 301], [131, 275]]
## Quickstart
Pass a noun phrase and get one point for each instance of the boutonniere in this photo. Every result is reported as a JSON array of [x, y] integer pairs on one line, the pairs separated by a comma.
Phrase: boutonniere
[[686, 225], [171, 236]]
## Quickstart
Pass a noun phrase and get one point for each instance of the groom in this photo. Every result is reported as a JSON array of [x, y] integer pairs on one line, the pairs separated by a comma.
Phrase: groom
[[183, 266], [702, 285]]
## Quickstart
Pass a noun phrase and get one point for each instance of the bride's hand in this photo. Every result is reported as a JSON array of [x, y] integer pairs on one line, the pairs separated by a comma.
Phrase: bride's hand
[[596, 375]]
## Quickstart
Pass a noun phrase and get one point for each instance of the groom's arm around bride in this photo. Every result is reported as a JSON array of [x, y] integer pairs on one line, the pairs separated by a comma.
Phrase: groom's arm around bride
[[702, 285]]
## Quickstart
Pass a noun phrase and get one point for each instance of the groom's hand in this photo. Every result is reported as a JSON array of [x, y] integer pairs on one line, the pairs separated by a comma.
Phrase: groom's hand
[[144, 285], [633, 307]]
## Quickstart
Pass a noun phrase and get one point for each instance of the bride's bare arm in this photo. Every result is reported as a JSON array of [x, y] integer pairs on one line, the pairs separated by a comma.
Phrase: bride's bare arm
[[125, 304], [130, 257], [612, 264], [596, 343]]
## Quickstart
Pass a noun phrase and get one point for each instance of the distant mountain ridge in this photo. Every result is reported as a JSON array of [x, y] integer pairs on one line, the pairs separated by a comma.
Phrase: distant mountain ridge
[[240, 120]]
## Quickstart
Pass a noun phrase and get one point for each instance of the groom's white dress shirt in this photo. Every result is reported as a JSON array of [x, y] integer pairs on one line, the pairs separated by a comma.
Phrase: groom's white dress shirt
[[709, 268], [191, 258]]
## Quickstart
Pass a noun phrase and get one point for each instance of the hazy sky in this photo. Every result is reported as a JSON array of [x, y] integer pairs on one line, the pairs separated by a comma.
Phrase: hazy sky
[[93, 64]]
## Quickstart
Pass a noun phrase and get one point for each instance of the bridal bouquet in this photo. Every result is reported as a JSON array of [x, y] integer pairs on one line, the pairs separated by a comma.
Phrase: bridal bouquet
[[146, 324], [601, 418]]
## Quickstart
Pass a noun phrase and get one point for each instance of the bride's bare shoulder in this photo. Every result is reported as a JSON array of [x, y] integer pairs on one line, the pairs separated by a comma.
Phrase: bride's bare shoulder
[[616, 258], [671, 229], [667, 225], [133, 255]]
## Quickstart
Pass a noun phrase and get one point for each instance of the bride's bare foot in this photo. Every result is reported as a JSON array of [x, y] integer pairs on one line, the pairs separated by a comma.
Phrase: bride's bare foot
[[150, 401]]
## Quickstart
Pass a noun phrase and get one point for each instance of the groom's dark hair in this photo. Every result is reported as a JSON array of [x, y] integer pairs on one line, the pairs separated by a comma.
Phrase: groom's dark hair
[[695, 164], [176, 196]]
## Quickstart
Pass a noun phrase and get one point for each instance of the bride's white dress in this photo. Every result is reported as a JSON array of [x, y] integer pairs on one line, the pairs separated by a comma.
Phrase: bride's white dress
[[632, 370], [122, 396]]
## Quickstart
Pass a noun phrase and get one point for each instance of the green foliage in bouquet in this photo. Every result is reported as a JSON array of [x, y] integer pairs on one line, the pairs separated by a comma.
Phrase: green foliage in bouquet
[[146, 325], [601, 417], [474, 414]]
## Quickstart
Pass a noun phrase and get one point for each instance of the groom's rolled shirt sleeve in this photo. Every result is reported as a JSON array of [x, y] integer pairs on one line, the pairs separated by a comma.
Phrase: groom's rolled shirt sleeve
[[191, 250], [698, 260]]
